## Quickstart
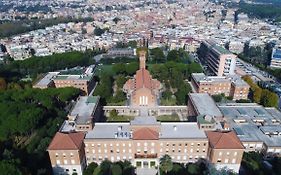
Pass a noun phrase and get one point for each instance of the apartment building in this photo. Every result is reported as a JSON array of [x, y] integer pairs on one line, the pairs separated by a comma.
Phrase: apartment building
[[218, 60], [231, 85], [66, 152], [276, 58], [225, 150]]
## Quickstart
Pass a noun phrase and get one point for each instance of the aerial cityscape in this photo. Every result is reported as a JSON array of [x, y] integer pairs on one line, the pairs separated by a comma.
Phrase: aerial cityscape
[[140, 87]]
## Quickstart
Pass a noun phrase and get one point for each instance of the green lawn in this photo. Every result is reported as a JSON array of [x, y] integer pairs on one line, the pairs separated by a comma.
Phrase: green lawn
[[120, 118], [121, 103], [168, 102], [105, 69], [165, 118]]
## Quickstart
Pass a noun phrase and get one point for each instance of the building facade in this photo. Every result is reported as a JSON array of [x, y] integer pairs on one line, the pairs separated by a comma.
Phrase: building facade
[[232, 86], [218, 60], [225, 150], [85, 112], [78, 77], [276, 58], [142, 90], [67, 153], [143, 144]]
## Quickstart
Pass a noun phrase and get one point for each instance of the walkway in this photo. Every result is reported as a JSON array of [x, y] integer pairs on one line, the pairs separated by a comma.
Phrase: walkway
[[144, 111], [146, 171]]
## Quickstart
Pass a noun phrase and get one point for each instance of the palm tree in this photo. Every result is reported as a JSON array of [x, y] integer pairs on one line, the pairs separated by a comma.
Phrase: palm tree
[[166, 163]]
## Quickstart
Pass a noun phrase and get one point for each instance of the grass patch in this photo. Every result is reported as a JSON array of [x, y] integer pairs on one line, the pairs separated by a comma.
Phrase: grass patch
[[105, 69], [168, 102], [166, 118], [120, 118]]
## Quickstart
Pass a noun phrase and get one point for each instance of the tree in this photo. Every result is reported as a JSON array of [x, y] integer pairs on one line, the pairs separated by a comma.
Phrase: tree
[[120, 81], [113, 113], [173, 55], [116, 20], [166, 163], [105, 167], [269, 99], [98, 31], [131, 68], [193, 169], [116, 169], [8, 168], [157, 55], [3, 84], [119, 68], [133, 44], [167, 94], [90, 169], [217, 98]]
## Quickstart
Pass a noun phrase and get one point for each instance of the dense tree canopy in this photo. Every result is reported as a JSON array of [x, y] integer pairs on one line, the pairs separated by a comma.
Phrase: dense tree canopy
[[157, 55], [261, 96], [107, 167], [29, 119], [36, 65], [261, 10]]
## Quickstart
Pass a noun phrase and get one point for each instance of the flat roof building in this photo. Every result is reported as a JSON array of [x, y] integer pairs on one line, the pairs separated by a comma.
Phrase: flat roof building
[[46, 81], [231, 85], [218, 60], [202, 104], [276, 58], [82, 116], [257, 127], [78, 77], [144, 140]]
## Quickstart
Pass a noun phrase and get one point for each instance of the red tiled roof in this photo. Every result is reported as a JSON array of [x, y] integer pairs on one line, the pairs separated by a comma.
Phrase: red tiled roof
[[224, 140], [67, 141], [143, 79], [145, 134]]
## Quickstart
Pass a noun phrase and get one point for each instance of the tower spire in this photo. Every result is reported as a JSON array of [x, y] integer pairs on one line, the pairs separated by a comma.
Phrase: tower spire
[[142, 58]]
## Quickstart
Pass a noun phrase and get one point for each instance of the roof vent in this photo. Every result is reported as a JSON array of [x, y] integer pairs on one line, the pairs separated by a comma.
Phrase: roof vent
[[175, 127]]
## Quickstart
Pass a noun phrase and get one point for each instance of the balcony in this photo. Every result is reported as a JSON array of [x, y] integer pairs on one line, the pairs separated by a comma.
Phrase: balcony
[[143, 156]]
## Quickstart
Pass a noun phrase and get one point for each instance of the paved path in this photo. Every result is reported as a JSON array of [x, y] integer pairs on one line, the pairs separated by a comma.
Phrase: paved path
[[146, 171], [143, 111], [182, 118]]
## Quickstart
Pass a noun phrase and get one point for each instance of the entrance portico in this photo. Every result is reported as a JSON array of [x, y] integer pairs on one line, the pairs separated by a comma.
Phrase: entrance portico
[[146, 162]]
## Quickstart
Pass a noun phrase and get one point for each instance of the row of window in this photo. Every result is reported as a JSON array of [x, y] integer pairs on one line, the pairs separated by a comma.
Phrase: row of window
[[145, 144], [152, 151], [112, 158], [111, 151], [227, 153], [64, 155], [65, 162], [185, 150], [185, 144], [226, 161]]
